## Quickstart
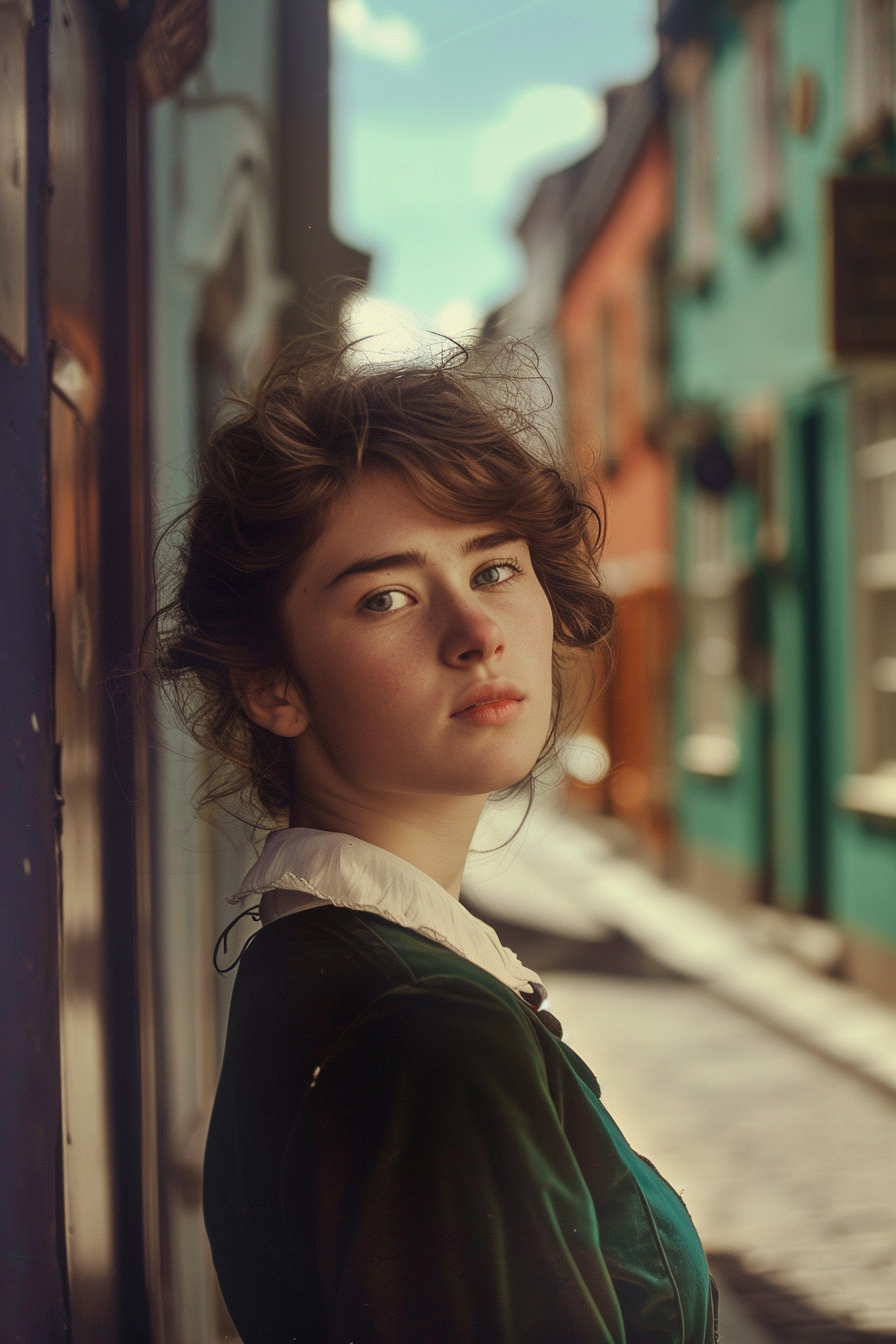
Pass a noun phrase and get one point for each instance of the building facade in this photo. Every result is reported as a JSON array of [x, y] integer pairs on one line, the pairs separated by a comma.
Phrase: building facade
[[610, 329], [783, 377]]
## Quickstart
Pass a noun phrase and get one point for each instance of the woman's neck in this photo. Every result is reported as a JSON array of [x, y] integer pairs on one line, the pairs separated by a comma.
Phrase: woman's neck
[[432, 833]]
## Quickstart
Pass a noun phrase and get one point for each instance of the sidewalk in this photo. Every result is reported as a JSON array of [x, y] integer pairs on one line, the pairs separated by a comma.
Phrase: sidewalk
[[561, 878]]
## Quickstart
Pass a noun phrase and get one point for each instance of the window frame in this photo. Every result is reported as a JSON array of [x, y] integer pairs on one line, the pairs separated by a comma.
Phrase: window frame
[[765, 106], [869, 74], [872, 788], [696, 231], [711, 747]]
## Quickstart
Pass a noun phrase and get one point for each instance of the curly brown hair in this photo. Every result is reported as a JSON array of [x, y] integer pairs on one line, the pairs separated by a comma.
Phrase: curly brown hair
[[462, 433]]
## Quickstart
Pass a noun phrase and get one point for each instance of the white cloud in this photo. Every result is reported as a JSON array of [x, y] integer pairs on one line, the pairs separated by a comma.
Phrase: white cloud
[[458, 317], [541, 128], [393, 38]]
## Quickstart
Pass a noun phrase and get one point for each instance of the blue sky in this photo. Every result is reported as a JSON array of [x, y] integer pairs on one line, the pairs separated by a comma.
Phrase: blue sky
[[444, 116]]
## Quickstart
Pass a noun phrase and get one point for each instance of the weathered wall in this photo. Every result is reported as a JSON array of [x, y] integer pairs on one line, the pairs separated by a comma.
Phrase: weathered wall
[[31, 1288]]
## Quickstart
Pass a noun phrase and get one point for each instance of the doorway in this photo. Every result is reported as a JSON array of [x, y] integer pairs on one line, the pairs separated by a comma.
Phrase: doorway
[[810, 450]]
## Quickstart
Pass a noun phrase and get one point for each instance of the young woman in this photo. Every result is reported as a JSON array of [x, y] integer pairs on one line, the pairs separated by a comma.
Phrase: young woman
[[381, 585]]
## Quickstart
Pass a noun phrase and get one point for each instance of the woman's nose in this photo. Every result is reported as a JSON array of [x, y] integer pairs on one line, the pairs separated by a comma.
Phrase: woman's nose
[[471, 636]]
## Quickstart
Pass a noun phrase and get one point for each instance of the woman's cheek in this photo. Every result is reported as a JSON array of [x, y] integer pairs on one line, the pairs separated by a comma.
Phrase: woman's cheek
[[538, 633], [377, 685]]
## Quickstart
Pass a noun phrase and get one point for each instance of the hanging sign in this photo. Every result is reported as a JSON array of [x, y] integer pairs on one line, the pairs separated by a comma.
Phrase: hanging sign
[[863, 265]]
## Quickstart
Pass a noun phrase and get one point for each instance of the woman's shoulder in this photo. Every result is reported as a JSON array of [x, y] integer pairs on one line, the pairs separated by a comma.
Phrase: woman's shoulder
[[323, 969], [358, 943]]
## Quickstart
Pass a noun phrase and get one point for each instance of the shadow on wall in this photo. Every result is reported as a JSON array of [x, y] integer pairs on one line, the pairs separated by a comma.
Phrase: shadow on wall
[[779, 1313]]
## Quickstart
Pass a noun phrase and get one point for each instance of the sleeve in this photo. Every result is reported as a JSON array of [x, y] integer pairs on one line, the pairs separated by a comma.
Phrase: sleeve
[[448, 1204]]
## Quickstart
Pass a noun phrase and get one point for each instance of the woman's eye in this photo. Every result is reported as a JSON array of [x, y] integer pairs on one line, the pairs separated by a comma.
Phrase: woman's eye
[[390, 600], [487, 578]]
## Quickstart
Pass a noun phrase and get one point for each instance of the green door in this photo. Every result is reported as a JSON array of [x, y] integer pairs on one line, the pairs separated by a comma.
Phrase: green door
[[800, 715]]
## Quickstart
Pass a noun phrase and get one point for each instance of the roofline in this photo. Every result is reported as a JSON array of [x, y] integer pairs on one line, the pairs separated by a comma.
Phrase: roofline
[[601, 186], [595, 182]]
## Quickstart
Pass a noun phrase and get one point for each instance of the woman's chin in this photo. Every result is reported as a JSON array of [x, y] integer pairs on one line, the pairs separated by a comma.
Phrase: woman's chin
[[494, 779]]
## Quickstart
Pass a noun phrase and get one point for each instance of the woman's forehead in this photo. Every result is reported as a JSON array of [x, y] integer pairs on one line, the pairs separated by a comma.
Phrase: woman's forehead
[[379, 515], [380, 503]]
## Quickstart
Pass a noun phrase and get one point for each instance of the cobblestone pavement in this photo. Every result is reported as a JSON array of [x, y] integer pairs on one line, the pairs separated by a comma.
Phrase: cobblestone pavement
[[786, 1161]]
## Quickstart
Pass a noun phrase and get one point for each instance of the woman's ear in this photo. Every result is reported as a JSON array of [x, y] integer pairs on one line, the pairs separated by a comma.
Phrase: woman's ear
[[272, 700]]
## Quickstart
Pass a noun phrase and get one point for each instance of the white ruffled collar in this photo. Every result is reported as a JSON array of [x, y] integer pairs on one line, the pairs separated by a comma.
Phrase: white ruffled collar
[[300, 868]]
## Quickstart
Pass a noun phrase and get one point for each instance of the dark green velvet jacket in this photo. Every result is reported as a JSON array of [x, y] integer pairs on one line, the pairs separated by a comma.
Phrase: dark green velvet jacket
[[400, 1151]]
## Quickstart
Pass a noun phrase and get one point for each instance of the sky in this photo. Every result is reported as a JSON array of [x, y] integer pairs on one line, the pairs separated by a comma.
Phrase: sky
[[444, 116]]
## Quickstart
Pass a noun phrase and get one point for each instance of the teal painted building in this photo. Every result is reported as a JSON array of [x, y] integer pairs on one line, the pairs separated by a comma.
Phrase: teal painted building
[[783, 339]]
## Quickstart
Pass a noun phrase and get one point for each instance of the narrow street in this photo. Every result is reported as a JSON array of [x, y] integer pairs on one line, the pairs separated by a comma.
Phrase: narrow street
[[785, 1158]]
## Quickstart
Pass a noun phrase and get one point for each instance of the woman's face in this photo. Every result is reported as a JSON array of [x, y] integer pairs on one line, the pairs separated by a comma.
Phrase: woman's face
[[422, 648]]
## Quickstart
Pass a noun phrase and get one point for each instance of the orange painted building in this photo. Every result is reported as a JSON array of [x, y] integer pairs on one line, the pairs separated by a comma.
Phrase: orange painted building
[[609, 331]]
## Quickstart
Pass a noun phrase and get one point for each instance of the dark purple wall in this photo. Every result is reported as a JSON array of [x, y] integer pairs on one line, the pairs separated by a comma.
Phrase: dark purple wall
[[31, 1284]]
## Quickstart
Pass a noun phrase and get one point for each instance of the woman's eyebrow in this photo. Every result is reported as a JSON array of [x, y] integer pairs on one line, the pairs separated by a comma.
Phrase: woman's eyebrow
[[371, 564], [490, 539], [416, 559]]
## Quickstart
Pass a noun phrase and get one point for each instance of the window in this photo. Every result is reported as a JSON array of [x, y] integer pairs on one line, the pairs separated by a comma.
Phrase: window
[[760, 444], [606, 391], [869, 73], [765, 179], [874, 789], [689, 83], [711, 747], [878, 578], [13, 181], [655, 351]]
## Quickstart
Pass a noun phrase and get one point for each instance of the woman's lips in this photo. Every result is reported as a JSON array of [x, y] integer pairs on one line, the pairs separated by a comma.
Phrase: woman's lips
[[490, 713], [490, 704]]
